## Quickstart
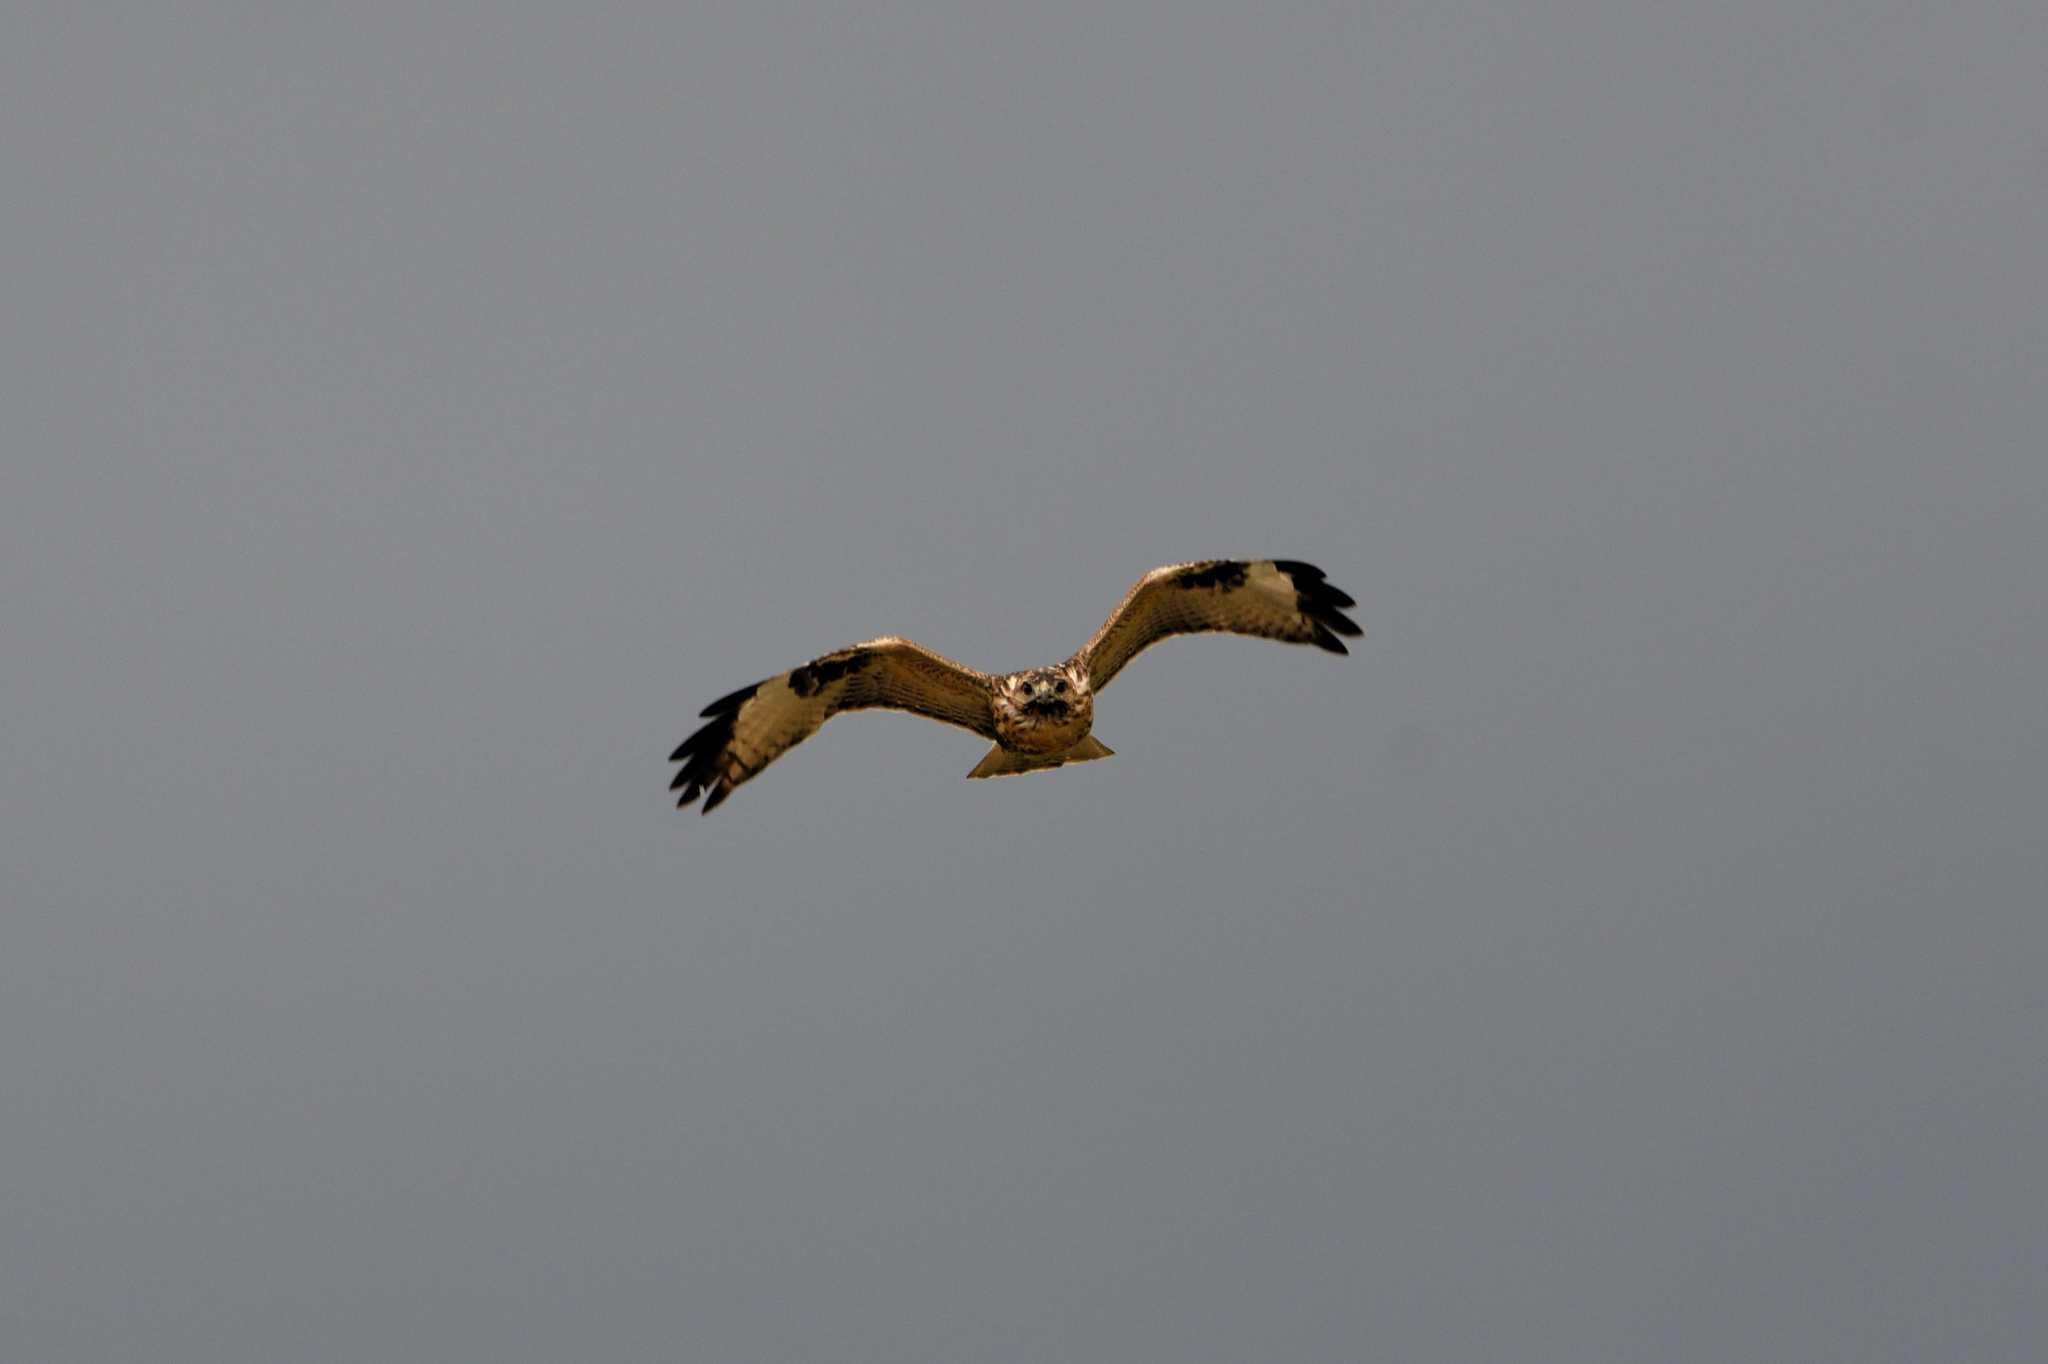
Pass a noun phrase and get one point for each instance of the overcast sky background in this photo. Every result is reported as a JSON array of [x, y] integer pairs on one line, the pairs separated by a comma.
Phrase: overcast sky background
[[1635, 950]]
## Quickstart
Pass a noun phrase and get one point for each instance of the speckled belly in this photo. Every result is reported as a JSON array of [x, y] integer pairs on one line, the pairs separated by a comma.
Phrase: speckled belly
[[1041, 734]]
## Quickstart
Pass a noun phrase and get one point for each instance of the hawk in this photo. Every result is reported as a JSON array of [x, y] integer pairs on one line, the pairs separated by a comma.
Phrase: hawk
[[1039, 718]]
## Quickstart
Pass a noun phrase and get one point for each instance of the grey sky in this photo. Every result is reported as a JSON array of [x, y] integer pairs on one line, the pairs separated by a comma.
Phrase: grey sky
[[1634, 951]]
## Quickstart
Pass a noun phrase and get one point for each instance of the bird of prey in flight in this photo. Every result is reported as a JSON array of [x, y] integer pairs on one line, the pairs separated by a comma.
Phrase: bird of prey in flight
[[1039, 718]]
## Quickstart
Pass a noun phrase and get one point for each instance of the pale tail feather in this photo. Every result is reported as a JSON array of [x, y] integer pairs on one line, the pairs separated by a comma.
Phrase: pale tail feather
[[1000, 762]]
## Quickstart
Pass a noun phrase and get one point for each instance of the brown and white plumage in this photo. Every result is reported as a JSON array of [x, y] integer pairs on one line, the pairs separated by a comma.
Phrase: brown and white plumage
[[1039, 718], [753, 726], [1282, 599]]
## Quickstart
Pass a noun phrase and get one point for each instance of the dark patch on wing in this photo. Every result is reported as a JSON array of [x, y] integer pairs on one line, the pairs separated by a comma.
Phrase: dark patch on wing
[[814, 677], [1224, 573], [1321, 603]]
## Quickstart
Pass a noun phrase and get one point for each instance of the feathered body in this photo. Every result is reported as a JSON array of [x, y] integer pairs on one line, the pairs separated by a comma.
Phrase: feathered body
[[1038, 719]]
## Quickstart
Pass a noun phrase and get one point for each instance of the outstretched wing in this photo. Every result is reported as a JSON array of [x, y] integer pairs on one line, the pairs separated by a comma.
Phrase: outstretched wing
[[755, 725], [1271, 598]]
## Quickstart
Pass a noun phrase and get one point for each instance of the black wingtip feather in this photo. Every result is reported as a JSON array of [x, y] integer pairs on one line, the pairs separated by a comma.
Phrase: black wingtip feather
[[1308, 581], [699, 754], [708, 737], [730, 701], [1326, 640], [700, 772], [1321, 603], [1331, 618]]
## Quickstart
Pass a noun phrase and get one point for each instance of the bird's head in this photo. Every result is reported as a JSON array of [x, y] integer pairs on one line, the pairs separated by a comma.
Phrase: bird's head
[[1047, 695]]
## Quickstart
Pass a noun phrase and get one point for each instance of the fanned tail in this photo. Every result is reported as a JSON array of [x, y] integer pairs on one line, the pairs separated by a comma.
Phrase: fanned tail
[[1001, 762]]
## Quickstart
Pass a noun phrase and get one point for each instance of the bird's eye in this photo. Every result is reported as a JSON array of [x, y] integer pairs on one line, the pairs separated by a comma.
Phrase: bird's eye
[[1060, 687]]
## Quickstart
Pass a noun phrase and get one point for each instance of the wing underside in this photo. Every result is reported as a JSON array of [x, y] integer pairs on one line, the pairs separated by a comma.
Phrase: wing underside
[[750, 728], [1281, 599]]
